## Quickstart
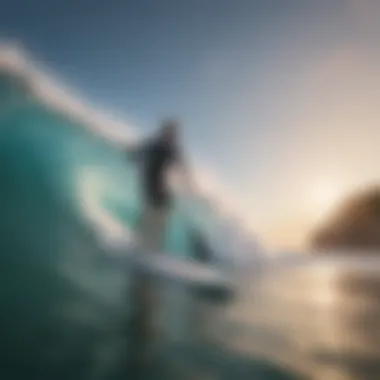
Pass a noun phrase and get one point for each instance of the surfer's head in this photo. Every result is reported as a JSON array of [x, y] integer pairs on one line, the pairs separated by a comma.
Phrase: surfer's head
[[169, 130]]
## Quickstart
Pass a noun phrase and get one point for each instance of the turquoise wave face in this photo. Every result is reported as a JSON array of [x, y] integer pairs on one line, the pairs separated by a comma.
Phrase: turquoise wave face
[[61, 185], [93, 179], [64, 301]]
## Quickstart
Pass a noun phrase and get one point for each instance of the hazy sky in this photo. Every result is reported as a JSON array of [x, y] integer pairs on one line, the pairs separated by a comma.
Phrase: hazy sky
[[279, 97]]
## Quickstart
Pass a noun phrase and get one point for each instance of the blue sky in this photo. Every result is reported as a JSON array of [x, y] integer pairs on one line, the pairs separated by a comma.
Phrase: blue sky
[[267, 90]]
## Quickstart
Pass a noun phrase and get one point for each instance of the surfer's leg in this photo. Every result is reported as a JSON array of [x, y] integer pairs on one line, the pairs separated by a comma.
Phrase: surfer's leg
[[157, 231], [153, 236], [145, 295], [152, 228]]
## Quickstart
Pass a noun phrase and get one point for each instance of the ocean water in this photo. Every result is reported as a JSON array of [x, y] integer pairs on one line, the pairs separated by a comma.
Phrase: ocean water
[[67, 195]]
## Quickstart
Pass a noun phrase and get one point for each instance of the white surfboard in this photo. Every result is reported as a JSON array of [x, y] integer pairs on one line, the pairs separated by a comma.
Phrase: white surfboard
[[208, 280]]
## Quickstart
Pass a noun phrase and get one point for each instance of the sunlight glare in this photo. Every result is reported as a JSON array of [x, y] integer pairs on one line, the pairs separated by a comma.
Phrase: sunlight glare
[[324, 198]]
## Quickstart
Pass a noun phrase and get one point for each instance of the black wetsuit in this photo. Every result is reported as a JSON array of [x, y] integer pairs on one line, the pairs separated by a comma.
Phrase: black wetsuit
[[157, 156]]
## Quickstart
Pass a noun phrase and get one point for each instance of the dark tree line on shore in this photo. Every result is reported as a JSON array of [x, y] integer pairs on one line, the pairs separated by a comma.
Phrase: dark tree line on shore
[[354, 225]]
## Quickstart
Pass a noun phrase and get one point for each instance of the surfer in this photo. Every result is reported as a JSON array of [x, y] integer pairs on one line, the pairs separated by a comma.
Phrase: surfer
[[155, 156]]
